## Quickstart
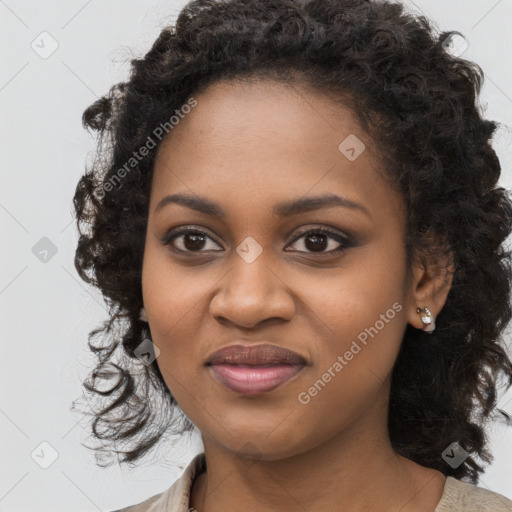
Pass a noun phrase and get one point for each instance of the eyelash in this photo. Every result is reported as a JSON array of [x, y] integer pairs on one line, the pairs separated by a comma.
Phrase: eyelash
[[343, 240]]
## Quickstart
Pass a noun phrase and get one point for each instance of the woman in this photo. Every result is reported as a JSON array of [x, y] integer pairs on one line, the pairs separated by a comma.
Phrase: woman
[[294, 214]]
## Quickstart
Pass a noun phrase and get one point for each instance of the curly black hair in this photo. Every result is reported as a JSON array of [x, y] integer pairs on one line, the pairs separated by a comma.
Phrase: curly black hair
[[417, 101]]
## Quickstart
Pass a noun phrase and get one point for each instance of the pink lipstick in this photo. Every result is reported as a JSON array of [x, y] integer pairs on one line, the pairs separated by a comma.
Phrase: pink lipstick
[[254, 369]]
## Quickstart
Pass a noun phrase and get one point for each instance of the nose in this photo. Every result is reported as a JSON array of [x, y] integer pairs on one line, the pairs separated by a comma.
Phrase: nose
[[252, 293]]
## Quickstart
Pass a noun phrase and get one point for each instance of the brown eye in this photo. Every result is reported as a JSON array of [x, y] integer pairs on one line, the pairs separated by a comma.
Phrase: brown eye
[[318, 240], [191, 240]]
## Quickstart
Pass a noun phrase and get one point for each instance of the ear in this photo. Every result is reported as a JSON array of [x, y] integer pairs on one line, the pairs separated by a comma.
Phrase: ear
[[432, 276], [142, 315]]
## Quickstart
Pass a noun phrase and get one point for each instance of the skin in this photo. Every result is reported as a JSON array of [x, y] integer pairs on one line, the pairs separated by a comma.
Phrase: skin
[[247, 146]]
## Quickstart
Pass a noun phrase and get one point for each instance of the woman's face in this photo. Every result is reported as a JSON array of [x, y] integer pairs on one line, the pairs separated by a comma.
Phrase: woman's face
[[253, 149]]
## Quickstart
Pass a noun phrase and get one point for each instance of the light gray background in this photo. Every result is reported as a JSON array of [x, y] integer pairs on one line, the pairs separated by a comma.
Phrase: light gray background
[[46, 310]]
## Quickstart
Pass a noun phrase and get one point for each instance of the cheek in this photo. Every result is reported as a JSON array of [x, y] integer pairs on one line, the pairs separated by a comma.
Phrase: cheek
[[362, 300], [170, 291], [360, 319], [174, 299], [353, 358]]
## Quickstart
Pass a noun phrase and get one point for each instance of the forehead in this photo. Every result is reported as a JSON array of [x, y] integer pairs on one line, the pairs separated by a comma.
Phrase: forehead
[[265, 113], [265, 138]]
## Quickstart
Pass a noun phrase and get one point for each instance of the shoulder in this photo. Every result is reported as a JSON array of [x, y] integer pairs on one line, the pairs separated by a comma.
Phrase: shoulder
[[176, 498], [463, 496]]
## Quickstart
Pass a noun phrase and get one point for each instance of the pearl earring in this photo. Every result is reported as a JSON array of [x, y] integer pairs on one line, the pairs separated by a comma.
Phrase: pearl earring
[[427, 318]]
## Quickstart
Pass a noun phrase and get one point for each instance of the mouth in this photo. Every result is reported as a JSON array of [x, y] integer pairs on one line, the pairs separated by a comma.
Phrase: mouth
[[252, 370]]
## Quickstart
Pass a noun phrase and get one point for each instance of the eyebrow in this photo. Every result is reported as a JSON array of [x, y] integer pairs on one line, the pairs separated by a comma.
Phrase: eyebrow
[[284, 209]]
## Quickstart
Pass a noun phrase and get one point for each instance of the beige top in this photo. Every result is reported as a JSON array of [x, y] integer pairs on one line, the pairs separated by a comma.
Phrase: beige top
[[457, 496]]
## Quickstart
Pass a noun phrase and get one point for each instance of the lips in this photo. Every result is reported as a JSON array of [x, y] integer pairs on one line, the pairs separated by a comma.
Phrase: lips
[[252, 370], [257, 355]]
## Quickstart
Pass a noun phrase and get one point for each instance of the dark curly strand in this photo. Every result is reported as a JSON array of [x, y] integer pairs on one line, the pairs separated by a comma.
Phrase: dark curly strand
[[417, 101]]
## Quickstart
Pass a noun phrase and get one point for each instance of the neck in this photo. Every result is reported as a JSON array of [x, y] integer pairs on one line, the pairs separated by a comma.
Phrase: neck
[[356, 469]]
